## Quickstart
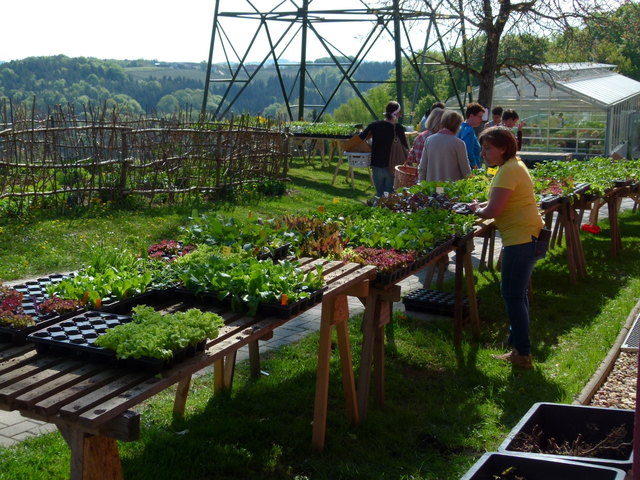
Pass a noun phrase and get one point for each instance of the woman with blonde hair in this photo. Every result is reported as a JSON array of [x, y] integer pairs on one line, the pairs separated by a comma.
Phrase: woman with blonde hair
[[432, 126], [444, 157]]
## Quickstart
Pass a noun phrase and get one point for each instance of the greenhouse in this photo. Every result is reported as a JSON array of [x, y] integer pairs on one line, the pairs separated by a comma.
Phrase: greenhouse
[[582, 108]]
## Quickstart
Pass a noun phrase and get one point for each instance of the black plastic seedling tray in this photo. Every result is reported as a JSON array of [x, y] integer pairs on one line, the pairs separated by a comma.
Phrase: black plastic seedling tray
[[76, 336], [462, 208], [433, 301], [276, 254], [156, 298], [566, 422], [580, 188], [33, 293], [264, 309], [494, 465], [292, 309], [548, 201]]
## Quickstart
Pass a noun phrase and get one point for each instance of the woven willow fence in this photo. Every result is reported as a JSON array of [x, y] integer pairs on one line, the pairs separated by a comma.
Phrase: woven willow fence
[[69, 159]]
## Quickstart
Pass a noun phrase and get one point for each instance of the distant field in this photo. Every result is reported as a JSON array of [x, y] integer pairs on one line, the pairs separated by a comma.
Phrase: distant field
[[143, 73]]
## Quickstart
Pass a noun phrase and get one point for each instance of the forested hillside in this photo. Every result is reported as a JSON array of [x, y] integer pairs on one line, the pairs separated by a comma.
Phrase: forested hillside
[[149, 87], [146, 87]]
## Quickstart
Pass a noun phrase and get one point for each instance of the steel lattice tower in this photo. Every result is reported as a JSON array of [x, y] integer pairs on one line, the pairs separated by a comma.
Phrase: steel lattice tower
[[287, 23]]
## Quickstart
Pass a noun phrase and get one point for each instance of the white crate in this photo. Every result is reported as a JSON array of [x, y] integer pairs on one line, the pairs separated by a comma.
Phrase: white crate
[[358, 159]]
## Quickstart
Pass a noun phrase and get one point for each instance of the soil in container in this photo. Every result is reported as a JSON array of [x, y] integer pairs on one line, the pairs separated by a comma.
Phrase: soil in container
[[610, 444]]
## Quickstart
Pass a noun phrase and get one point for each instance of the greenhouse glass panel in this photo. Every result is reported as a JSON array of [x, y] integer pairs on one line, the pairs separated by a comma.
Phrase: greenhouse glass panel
[[583, 109]]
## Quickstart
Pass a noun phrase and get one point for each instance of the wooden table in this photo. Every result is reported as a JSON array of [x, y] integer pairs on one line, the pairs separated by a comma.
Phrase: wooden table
[[90, 402], [612, 199], [567, 226], [350, 174], [316, 144], [379, 308], [531, 158]]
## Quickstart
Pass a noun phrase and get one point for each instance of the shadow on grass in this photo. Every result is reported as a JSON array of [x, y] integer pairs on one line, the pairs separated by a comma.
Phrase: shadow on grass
[[335, 190], [437, 417], [559, 306]]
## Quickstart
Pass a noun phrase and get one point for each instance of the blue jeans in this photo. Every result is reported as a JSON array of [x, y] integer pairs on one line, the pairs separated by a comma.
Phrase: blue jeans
[[382, 180], [517, 266]]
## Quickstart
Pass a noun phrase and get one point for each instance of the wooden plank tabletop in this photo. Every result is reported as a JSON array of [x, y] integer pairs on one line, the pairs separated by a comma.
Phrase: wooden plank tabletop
[[89, 393]]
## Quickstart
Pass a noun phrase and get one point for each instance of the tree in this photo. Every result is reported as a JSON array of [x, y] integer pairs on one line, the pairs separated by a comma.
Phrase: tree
[[354, 110], [168, 104], [125, 104], [276, 111], [483, 24], [609, 38]]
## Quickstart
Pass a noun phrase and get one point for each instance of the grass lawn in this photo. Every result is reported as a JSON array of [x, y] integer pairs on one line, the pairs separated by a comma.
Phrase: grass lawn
[[443, 408]]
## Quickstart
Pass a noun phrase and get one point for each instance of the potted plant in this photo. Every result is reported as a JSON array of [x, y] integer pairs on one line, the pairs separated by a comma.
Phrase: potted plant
[[11, 311], [594, 435]]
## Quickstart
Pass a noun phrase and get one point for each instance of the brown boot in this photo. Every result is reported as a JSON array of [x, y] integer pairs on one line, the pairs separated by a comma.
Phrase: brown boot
[[522, 361]]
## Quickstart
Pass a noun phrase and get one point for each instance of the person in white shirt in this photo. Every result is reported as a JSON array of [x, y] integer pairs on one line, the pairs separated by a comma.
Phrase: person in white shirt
[[496, 114]]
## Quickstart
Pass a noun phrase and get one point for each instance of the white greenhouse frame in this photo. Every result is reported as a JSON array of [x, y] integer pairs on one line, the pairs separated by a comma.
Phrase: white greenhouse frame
[[583, 108]]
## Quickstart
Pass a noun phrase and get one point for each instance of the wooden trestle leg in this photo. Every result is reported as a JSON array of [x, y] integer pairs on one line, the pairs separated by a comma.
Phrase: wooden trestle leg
[[613, 205], [182, 392], [335, 311], [474, 315], [93, 457], [378, 309]]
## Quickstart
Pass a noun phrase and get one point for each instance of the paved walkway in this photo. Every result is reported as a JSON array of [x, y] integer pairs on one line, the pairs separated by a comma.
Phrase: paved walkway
[[15, 428]]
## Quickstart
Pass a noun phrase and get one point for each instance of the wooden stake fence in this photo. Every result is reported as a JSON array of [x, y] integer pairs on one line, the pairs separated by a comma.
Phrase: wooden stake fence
[[70, 159]]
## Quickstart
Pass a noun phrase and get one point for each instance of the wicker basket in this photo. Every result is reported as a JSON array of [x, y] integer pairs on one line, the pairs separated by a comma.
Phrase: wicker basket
[[359, 159], [405, 176]]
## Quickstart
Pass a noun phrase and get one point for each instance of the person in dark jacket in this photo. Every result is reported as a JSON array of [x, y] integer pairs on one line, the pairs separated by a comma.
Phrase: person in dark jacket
[[382, 134]]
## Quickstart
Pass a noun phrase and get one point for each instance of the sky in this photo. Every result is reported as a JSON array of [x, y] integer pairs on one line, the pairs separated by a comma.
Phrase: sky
[[160, 30]]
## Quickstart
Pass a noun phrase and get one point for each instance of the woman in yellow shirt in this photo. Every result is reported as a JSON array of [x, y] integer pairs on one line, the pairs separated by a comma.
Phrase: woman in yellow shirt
[[513, 205]]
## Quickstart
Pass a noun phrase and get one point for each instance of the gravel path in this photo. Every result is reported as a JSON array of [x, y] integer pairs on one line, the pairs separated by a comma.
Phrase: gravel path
[[619, 389]]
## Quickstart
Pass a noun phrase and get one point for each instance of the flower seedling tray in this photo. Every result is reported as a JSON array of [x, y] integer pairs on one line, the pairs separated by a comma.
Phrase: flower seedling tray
[[384, 279], [494, 465], [33, 293], [433, 301], [567, 423], [76, 336], [163, 250]]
